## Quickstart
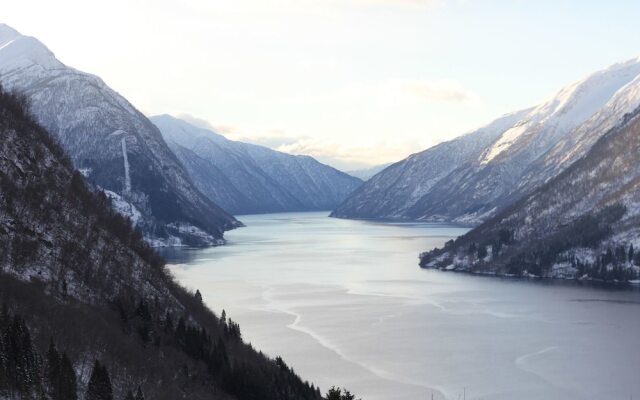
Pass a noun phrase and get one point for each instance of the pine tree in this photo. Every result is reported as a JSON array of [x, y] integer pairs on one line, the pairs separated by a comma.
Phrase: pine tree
[[482, 252], [139, 394], [630, 253], [68, 385], [181, 331], [53, 371], [99, 387], [23, 369], [198, 297], [168, 323]]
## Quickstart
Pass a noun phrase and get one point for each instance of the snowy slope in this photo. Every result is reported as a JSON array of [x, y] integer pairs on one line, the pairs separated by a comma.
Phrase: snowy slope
[[245, 178], [567, 226], [390, 193], [580, 140], [115, 145]]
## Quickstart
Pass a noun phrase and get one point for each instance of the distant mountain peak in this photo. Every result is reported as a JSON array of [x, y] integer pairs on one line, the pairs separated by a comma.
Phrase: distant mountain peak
[[20, 51], [7, 34], [568, 108]]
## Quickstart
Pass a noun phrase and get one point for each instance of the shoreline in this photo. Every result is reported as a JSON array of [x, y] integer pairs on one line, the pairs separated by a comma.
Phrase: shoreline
[[586, 282]]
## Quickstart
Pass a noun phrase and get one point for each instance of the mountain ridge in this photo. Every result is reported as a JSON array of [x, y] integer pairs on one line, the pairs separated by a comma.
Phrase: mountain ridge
[[514, 163], [117, 147]]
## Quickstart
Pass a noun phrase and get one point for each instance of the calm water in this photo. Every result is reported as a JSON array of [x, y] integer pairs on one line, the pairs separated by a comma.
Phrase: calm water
[[345, 303]]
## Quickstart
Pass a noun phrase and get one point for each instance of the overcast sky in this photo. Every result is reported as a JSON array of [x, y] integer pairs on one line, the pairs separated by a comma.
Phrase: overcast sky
[[351, 82]]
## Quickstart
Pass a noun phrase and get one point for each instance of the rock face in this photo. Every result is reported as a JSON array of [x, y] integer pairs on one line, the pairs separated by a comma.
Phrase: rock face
[[585, 222], [115, 146], [523, 153], [245, 178]]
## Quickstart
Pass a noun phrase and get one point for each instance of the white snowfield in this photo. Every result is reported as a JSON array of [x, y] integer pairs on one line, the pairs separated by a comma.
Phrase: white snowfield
[[566, 110]]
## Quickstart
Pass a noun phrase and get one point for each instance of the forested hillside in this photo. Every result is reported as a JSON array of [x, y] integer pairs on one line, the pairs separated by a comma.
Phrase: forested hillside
[[89, 310], [582, 224]]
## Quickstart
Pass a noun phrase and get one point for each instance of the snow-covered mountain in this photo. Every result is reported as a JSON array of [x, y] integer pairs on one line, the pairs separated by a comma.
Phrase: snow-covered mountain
[[530, 149], [395, 190], [245, 178], [585, 222], [115, 146], [367, 173]]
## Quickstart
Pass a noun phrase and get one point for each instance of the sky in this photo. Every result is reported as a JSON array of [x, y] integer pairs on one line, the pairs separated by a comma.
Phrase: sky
[[353, 83]]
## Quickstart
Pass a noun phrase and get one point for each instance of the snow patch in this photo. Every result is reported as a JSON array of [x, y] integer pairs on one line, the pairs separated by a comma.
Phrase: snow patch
[[123, 207], [127, 177]]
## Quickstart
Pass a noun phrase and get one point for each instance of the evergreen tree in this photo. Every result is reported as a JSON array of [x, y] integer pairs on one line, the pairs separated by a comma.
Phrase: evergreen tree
[[139, 394], [482, 252], [339, 394], [630, 256], [23, 369], [129, 396], [99, 387], [198, 296], [168, 323], [68, 386], [53, 370], [181, 331]]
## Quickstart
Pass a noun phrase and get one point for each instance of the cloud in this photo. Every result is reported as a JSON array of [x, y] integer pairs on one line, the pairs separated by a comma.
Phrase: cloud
[[428, 3], [273, 141], [348, 157], [199, 122], [340, 155], [409, 90], [442, 90]]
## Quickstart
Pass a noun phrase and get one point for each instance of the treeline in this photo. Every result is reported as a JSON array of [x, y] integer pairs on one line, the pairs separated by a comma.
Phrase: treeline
[[499, 251], [26, 374], [241, 378]]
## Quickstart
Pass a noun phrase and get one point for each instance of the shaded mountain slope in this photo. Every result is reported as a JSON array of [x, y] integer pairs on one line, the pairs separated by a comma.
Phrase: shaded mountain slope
[[245, 178]]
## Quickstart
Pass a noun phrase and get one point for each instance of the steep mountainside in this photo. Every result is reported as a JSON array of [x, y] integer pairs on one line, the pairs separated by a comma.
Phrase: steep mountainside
[[245, 178], [76, 279], [583, 223], [392, 192], [113, 144], [535, 148]]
